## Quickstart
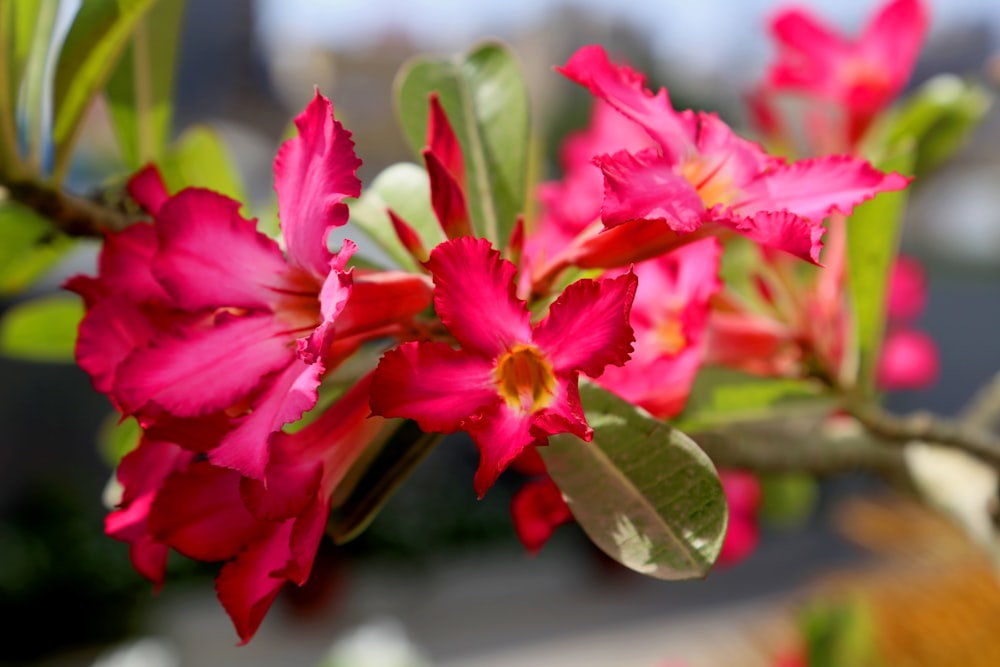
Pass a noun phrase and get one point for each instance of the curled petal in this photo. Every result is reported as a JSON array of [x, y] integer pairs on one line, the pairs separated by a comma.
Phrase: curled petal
[[313, 173], [501, 434], [645, 186], [781, 230], [588, 325], [475, 297]]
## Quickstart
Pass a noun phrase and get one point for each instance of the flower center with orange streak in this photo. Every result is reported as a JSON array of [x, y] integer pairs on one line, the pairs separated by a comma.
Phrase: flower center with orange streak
[[525, 379], [710, 181], [670, 335]]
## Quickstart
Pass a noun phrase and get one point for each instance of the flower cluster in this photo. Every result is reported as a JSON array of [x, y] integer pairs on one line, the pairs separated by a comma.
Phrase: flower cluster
[[219, 340]]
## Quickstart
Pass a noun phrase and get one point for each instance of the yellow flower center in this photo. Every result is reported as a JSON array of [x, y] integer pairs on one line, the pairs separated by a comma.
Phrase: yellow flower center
[[712, 184], [525, 379], [670, 335]]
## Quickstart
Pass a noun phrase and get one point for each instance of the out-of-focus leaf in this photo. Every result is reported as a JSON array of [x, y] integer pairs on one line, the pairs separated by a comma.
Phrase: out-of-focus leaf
[[375, 477], [140, 89], [42, 329], [116, 438], [939, 117], [840, 633], [403, 187], [788, 499], [872, 239], [93, 45], [200, 159], [720, 396], [32, 90], [485, 97], [28, 247], [641, 490]]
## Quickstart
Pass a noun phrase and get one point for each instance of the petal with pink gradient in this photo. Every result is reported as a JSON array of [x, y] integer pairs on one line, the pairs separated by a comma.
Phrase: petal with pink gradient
[[125, 264], [646, 186], [587, 327], [210, 256], [564, 414], [475, 297], [894, 38], [381, 298], [624, 89], [907, 289], [313, 173], [112, 329], [290, 488], [781, 230], [816, 187], [434, 384], [192, 372], [447, 199]]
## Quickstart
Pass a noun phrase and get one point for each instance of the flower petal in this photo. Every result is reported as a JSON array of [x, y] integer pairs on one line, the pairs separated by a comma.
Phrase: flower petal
[[475, 297], [147, 188], [909, 360], [537, 509], [624, 89], [645, 186], [211, 257], [588, 325], [435, 385], [381, 298], [199, 512], [816, 187], [191, 372], [500, 434], [110, 331], [781, 230], [313, 173], [286, 398]]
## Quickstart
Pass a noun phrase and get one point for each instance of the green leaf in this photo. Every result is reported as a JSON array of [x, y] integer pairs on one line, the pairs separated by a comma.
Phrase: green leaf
[[641, 490], [872, 240], [117, 437], [840, 633], [403, 187], [93, 45], [939, 116], [722, 396], [484, 95], [140, 90], [42, 329], [375, 477], [33, 88], [28, 247], [201, 159], [788, 499]]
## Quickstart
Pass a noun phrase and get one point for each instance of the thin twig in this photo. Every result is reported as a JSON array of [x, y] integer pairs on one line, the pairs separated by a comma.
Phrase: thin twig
[[983, 409], [71, 214]]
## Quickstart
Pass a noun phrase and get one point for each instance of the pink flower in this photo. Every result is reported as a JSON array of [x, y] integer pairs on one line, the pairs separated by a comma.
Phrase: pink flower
[[702, 179], [669, 316], [860, 76], [510, 384], [537, 509], [199, 324], [743, 496], [265, 535], [909, 360], [907, 289]]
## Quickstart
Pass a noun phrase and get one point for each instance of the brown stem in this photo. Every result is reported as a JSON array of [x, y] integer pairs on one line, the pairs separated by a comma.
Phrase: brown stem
[[71, 214]]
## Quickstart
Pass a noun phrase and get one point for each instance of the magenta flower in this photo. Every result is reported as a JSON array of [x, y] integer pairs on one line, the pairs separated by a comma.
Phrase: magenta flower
[[510, 384], [669, 317], [204, 329], [701, 178], [861, 76]]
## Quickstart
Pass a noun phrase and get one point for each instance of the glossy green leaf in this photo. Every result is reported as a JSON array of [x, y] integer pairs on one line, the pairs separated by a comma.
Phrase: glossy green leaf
[[200, 158], [404, 188], [42, 329], [872, 240], [484, 95], [93, 45], [939, 117], [641, 490], [28, 247], [722, 396], [375, 477], [140, 89], [117, 437]]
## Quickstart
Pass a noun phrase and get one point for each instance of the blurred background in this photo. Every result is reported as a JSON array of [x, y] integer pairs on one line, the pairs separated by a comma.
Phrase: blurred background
[[440, 577]]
